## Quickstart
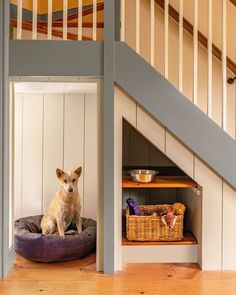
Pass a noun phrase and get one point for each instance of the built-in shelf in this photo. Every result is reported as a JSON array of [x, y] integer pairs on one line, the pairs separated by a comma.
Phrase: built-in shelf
[[188, 239], [161, 182]]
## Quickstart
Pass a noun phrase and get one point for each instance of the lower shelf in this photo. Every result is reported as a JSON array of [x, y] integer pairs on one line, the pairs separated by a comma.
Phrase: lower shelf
[[188, 239]]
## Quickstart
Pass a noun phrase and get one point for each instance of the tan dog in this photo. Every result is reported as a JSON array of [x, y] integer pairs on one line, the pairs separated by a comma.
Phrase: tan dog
[[65, 206]]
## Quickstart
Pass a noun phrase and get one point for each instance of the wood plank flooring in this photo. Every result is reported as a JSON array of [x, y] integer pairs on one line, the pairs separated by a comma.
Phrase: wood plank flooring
[[79, 277]]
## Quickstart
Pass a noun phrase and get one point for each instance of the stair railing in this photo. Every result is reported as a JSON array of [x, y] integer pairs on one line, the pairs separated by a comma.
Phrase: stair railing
[[51, 25], [212, 51]]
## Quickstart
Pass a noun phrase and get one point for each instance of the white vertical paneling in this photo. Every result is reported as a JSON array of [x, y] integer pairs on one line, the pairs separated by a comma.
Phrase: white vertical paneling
[[181, 15], [18, 101], [80, 19], [122, 9], [91, 156], [151, 129], [211, 216], [229, 237], [65, 13], [152, 39], [179, 154], [74, 136], [224, 64], [34, 24], [166, 38], [94, 20], [49, 35], [137, 33], [32, 154], [19, 20], [195, 52], [209, 59], [53, 145]]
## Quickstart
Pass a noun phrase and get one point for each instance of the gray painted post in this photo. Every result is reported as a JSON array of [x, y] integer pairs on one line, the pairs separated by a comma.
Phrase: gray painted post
[[7, 252], [111, 34], [1, 136]]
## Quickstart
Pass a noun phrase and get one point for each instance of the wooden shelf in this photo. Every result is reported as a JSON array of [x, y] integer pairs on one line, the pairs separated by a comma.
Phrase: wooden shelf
[[188, 239], [161, 182]]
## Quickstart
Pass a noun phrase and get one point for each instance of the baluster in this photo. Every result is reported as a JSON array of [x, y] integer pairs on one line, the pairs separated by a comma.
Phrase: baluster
[[195, 52], [122, 8], [209, 57], [152, 39], [80, 19], [181, 45], [34, 24], [19, 20], [137, 26], [166, 38], [94, 20], [65, 12], [224, 68], [49, 35]]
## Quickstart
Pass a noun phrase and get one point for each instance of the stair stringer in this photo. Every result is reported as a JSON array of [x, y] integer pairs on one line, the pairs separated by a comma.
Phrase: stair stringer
[[170, 107]]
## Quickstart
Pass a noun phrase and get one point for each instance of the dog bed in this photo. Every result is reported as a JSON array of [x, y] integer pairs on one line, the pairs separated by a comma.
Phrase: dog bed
[[31, 244]]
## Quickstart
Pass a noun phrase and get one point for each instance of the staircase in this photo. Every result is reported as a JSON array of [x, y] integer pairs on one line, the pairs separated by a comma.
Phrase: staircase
[[175, 59], [187, 44]]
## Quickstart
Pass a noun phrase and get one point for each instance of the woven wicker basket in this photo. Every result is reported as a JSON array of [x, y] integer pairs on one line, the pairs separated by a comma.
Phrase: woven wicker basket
[[151, 228]]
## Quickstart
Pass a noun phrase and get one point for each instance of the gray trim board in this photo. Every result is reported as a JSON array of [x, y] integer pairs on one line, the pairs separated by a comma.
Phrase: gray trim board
[[108, 138], [7, 253], [161, 99], [55, 58], [1, 134]]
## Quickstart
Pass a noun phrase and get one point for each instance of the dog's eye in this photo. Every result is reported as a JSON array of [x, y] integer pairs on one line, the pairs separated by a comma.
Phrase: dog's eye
[[73, 180], [65, 180]]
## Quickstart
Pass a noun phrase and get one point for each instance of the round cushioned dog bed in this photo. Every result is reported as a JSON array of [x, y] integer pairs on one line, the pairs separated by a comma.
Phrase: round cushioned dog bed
[[31, 244]]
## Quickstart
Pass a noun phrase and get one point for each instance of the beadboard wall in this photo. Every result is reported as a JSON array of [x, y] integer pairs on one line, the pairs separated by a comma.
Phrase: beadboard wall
[[52, 131]]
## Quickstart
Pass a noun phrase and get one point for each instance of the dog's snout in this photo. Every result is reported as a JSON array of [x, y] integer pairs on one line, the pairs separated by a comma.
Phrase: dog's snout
[[70, 190]]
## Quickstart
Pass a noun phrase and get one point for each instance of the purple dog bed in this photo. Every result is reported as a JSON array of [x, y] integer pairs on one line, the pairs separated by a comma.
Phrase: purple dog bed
[[31, 244]]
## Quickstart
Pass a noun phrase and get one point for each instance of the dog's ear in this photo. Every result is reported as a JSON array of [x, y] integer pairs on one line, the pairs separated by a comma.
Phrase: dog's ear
[[59, 173], [78, 171]]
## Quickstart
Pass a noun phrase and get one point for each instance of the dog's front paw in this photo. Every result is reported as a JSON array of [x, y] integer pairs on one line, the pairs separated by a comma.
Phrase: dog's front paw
[[80, 230]]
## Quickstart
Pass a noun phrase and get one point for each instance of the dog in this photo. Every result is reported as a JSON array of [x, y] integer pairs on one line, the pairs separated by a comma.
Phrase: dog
[[65, 206]]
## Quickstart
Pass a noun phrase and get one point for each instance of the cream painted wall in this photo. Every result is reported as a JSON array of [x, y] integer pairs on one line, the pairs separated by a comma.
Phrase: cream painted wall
[[216, 250], [188, 52], [58, 130]]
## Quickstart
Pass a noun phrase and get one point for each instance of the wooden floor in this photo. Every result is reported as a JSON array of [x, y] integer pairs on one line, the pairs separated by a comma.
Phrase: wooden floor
[[79, 277]]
